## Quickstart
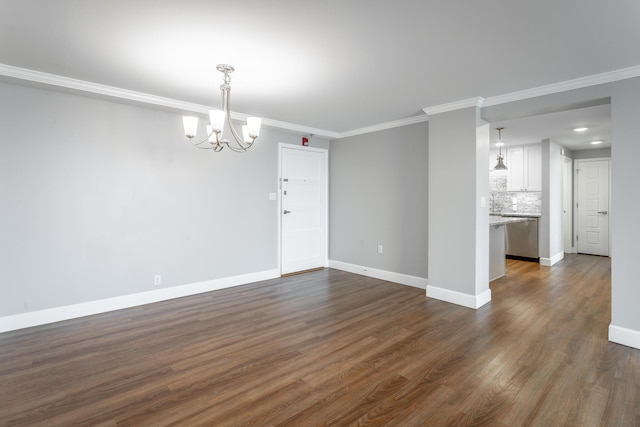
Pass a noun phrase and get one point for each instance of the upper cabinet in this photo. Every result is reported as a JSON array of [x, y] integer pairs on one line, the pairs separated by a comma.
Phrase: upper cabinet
[[525, 168]]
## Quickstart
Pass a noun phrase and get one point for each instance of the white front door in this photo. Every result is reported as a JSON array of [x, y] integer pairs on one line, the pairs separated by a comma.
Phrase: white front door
[[593, 206], [303, 213]]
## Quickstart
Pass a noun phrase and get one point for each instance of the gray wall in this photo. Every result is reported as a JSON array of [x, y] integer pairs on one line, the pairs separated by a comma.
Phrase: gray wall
[[378, 195], [625, 204], [551, 227], [458, 227], [591, 154], [96, 197]]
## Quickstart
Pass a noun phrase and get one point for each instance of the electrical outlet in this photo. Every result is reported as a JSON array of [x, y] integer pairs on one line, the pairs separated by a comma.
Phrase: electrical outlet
[[379, 249], [157, 279]]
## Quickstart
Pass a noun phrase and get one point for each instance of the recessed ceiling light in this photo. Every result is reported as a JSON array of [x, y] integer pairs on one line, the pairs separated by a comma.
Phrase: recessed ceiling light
[[596, 142], [580, 129]]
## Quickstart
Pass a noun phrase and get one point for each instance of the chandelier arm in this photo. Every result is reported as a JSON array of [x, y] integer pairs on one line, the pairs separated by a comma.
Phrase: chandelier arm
[[206, 140], [198, 144], [242, 149], [226, 99]]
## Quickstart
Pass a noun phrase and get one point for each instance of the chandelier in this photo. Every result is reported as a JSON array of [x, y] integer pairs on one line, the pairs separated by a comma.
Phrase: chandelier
[[500, 166], [214, 140]]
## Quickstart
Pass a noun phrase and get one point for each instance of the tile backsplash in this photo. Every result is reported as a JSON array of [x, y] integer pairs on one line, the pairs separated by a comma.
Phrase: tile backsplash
[[501, 200]]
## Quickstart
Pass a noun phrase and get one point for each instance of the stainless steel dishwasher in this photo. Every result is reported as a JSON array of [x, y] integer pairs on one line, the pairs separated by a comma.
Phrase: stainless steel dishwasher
[[522, 239]]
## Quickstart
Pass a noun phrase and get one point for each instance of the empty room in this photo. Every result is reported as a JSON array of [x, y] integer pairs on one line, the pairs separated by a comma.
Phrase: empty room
[[325, 244]]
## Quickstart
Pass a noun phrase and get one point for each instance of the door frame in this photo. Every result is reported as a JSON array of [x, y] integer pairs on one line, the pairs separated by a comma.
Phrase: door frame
[[281, 147], [576, 197]]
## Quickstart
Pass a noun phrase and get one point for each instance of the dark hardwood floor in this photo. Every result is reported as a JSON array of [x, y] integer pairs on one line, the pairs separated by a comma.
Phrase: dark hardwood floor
[[334, 348]]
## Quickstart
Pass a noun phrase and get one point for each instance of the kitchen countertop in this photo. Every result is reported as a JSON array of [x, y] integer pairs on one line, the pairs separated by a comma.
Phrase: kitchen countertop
[[497, 220], [521, 214]]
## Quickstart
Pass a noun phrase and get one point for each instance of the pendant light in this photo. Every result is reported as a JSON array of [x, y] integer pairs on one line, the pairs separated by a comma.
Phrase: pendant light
[[500, 166]]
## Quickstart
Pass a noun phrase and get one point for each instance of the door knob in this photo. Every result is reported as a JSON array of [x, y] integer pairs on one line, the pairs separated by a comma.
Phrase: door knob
[[603, 212], [286, 212]]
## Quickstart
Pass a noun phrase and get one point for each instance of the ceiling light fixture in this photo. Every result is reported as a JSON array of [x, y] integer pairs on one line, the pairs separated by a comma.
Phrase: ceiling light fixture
[[500, 166], [596, 142], [215, 128], [581, 129]]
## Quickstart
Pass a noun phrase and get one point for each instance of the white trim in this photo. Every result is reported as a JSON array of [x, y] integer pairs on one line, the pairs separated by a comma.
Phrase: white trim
[[548, 262], [325, 243], [384, 126], [111, 91], [57, 314], [456, 105], [624, 336], [145, 98], [294, 127], [579, 83], [465, 300], [390, 276]]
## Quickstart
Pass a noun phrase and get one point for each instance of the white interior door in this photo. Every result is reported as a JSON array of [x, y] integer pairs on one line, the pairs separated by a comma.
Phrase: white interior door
[[303, 213], [593, 206]]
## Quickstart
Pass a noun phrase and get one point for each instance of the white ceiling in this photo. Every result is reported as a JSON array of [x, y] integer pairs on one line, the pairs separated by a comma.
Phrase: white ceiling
[[335, 65], [560, 128]]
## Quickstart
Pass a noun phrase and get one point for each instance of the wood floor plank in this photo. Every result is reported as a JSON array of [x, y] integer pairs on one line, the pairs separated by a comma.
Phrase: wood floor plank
[[333, 348]]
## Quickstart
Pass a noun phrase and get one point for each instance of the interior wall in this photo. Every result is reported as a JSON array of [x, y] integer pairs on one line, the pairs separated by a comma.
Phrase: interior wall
[[625, 233], [591, 154], [378, 196], [556, 217], [456, 162], [97, 197], [482, 209], [567, 204]]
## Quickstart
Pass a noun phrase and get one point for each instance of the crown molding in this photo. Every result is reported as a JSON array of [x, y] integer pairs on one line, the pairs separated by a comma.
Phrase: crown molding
[[579, 83], [12, 72], [296, 128], [96, 88], [383, 126], [140, 97], [456, 105]]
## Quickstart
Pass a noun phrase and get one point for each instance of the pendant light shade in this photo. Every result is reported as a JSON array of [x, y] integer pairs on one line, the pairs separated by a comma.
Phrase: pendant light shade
[[500, 166]]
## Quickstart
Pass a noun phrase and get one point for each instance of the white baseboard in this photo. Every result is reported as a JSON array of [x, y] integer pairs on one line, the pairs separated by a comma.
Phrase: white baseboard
[[553, 260], [465, 300], [624, 336], [403, 279], [57, 314]]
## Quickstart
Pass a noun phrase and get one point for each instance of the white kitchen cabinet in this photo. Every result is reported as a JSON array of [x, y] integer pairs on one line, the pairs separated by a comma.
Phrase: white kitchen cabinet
[[525, 168]]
